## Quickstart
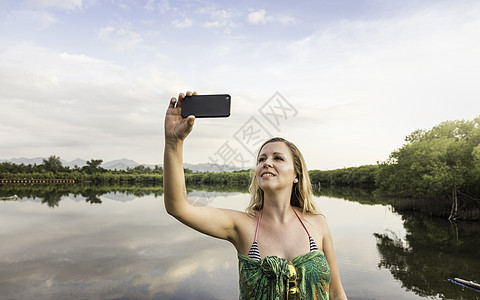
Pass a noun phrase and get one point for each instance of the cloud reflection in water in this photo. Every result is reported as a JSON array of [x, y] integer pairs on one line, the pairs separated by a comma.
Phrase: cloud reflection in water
[[131, 250]]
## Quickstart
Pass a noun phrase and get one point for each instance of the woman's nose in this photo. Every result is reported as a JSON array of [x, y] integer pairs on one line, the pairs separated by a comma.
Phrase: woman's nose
[[267, 163]]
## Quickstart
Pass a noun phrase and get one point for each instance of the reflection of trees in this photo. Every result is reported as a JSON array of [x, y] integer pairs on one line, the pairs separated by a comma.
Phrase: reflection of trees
[[51, 198], [356, 194], [432, 252], [51, 194], [91, 195], [93, 200]]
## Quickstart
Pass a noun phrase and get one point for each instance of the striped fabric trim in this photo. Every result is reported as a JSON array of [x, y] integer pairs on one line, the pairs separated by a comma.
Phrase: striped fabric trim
[[313, 246], [254, 253]]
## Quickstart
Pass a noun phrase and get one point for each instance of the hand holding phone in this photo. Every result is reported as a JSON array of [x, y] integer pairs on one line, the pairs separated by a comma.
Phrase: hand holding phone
[[206, 106]]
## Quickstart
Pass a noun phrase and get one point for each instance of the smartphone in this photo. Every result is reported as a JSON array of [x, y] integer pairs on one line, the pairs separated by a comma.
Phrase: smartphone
[[206, 106]]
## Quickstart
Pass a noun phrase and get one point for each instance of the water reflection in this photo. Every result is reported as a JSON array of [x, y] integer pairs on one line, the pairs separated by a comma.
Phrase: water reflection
[[51, 194], [432, 251], [427, 253], [126, 247], [355, 194], [127, 250]]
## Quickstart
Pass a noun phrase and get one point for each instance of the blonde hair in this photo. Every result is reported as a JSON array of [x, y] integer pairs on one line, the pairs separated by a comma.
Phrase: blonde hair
[[302, 190]]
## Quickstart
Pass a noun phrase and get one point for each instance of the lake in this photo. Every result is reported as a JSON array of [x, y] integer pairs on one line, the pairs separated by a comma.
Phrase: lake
[[123, 245]]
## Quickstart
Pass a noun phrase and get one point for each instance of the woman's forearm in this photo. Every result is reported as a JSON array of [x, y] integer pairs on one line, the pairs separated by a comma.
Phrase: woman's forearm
[[174, 190]]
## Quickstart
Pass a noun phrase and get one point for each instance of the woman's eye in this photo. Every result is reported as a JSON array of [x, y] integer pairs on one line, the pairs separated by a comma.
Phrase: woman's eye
[[279, 158], [261, 159]]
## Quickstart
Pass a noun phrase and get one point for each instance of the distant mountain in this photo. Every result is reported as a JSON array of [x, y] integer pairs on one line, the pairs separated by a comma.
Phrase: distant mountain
[[120, 164], [26, 161], [39, 160], [123, 164], [76, 162]]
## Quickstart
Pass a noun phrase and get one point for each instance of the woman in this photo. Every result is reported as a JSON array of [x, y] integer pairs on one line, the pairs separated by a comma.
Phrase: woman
[[284, 246]]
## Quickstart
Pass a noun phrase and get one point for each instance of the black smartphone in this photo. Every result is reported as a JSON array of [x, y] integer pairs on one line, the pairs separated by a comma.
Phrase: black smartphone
[[206, 106]]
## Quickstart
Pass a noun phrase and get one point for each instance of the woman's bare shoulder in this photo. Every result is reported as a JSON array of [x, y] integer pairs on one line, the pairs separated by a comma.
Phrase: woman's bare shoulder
[[244, 225], [241, 214], [242, 217], [317, 216], [317, 220]]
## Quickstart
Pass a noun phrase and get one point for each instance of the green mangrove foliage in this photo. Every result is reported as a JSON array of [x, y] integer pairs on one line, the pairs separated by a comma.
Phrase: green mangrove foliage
[[52, 168], [355, 176], [441, 164]]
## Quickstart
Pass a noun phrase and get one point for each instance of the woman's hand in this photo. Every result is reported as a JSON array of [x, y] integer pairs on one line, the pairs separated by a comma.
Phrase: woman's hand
[[177, 128]]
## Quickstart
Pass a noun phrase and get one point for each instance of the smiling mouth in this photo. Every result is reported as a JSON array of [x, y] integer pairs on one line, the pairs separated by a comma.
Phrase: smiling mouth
[[267, 175]]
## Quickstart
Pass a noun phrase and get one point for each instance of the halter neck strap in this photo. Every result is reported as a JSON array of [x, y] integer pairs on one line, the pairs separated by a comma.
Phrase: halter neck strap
[[258, 224], [260, 220], [301, 222]]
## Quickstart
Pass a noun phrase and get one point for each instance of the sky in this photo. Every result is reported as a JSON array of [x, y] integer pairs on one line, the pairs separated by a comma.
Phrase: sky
[[345, 80]]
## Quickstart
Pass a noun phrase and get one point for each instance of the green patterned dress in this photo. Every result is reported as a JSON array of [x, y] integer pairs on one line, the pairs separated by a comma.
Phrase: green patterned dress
[[274, 278], [267, 279]]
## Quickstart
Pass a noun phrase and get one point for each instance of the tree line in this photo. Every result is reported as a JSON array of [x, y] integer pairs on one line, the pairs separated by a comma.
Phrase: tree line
[[52, 168], [436, 167], [54, 164]]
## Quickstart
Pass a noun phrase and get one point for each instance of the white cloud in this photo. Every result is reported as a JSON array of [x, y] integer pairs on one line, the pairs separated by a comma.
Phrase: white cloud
[[214, 24], [358, 83], [77, 105], [184, 23], [286, 19], [68, 5], [120, 39], [258, 16], [221, 20], [220, 14], [105, 32], [40, 19], [163, 5], [150, 5]]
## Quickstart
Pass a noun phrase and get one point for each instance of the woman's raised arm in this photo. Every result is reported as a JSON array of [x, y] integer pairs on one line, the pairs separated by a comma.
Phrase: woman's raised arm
[[216, 222]]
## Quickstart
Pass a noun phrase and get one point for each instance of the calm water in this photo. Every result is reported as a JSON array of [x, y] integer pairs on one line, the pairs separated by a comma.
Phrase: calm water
[[122, 246]]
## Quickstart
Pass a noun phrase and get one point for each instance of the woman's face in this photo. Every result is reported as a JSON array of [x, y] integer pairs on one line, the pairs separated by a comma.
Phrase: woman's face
[[275, 168]]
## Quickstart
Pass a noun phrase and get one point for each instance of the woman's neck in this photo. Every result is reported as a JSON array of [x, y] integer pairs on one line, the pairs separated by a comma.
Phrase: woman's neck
[[277, 207]]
